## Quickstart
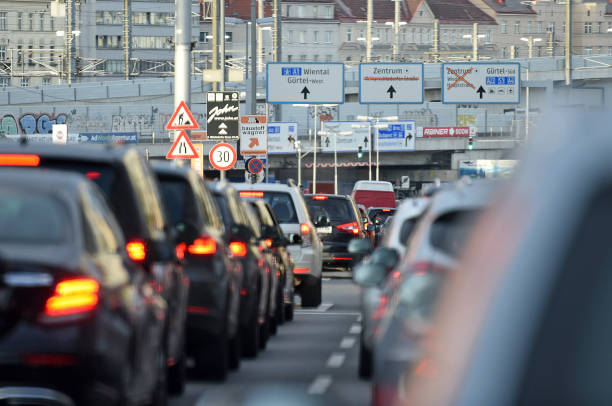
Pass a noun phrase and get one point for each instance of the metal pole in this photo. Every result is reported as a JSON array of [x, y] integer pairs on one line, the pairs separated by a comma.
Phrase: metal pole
[[182, 53], [369, 31], [127, 37], [551, 43], [436, 40], [335, 165], [69, 29], [260, 14], [222, 43], [568, 42], [314, 164], [215, 42], [512, 51], [475, 42], [299, 166], [396, 31], [276, 15], [377, 156], [370, 151], [530, 42], [254, 56]]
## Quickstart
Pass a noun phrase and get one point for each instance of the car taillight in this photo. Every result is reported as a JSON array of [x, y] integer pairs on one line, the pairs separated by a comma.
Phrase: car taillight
[[19, 160], [238, 248], [136, 250], [320, 197], [304, 229], [202, 246], [252, 194], [73, 296], [269, 242], [301, 270], [180, 250], [93, 175], [352, 228]]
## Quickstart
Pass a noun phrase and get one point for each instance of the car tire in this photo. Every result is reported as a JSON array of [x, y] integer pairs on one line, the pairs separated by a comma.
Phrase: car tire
[[311, 293], [264, 334], [251, 336], [177, 375], [365, 362], [289, 311], [160, 391], [273, 324], [280, 308], [213, 361]]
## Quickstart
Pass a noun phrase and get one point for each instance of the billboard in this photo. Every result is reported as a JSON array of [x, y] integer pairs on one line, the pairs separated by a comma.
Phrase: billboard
[[345, 136], [398, 136], [282, 138], [109, 138]]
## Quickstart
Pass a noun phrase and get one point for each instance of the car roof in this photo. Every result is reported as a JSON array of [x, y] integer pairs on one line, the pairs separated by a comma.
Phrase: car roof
[[85, 152], [373, 185], [166, 168], [272, 187], [47, 180], [463, 195]]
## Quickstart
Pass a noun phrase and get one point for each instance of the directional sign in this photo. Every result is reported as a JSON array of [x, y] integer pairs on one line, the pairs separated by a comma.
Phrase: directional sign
[[223, 156], [305, 82], [397, 136], [481, 83], [182, 148], [253, 135], [182, 119], [345, 136], [391, 83], [222, 115], [282, 138]]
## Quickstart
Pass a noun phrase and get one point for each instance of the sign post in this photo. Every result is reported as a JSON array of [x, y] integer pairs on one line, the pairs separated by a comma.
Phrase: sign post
[[391, 83], [305, 82], [481, 83]]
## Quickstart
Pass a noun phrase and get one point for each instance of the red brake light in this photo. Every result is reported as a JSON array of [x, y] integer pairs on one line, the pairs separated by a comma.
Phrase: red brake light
[[252, 194], [73, 296], [137, 250], [203, 246], [269, 242], [320, 197], [19, 160], [386, 210], [300, 270], [180, 250], [58, 360], [238, 248], [349, 228], [93, 175], [305, 228]]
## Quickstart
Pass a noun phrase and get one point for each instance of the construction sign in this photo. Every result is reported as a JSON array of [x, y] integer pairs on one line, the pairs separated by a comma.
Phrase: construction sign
[[182, 119], [182, 148], [253, 135]]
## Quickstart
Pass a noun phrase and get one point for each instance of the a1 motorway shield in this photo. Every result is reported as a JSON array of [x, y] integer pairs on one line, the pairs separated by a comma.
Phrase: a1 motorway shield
[[481, 83], [305, 82], [391, 83]]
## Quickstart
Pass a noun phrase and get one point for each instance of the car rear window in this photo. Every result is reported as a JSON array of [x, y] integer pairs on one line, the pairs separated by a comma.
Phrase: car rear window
[[338, 211], [450, 231], [379, 216], [103, 175], [178, 199], [282, 206], [32, 217]]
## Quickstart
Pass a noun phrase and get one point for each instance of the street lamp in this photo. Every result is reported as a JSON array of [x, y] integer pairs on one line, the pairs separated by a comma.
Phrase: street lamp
[[530, 40], [378, 126]]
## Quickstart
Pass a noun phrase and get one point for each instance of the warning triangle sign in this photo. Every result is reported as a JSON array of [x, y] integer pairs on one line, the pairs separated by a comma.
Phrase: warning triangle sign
[[182, 148], [182, 119]]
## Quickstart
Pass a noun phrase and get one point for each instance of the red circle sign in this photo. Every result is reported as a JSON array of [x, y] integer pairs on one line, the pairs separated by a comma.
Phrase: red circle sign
[[222, 156]]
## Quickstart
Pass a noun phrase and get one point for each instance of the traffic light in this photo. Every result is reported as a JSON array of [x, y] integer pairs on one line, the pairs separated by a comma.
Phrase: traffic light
[[360, 152], [470, 142]]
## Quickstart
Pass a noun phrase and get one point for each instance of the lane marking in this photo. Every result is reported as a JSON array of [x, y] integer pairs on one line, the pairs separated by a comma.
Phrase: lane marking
[[319, 385], [347, 342], [355, 329], [335, 360]]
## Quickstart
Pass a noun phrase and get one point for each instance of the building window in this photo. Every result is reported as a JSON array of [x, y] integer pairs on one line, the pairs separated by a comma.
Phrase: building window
[[300, 11], [52, 21], [503, 52], [291, 36], [445, 36], [503, 28], [41, 21], [316, 58], [302, 37], [517, 27], [2, 52], [229, 36], [588, 51], [30, 56], [563, 28], [413, 35], [609, 51], [588, 13], [599, 30], [330, 12], [4, 81], [528, 27], [551, 27], [46, 81], [19, 21], [328, 58], [19, 54], [51, 53], [25, 82], [30, 21], [349, 35], [539, 27], [204, 37], [588, 28], [315, 11], [289, 58], [328, 37], [488, 37], [453, 37], [315, 37], [3, 21], [288, 11], [302, 58]]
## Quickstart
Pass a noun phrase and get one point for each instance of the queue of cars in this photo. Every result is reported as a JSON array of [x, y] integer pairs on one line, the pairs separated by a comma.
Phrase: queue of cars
[[114, 271]]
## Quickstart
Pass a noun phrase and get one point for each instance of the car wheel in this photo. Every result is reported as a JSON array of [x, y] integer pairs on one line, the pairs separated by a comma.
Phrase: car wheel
[[250, 335], [235, 349], [311, 293], [289, 312], [264, 333], [213, 361], [365, 362], [273, 324], [280, 308]]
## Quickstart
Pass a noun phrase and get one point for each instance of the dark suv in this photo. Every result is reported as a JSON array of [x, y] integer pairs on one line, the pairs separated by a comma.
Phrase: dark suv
[[214, 270], [337, 221], [132, 191]]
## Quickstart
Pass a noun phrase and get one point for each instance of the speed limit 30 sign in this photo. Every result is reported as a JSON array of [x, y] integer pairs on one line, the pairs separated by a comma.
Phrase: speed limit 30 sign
[[222, 156]]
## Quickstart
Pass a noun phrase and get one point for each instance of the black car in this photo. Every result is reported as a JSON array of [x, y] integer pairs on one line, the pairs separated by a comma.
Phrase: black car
[[337, 221], [79, 320], [130, 187], [214, 270], [254, 320], [277, 243]]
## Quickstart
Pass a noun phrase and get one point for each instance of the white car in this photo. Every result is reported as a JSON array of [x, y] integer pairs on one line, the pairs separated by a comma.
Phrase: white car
[[305, 247]]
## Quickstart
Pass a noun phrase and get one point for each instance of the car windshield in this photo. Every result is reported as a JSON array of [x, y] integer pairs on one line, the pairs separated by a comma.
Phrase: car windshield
[[282, 206], [450, 231], [32, 217], [337, 210]]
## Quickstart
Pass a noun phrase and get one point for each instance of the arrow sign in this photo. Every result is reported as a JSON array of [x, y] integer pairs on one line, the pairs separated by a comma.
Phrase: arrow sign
[[254, 143], [222, 132], [391, 91], [223, 126], [481, 91], [305, 92]]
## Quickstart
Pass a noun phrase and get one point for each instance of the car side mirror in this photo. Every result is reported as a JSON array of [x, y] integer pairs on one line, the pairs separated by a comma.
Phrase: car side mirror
[[322, 221], [360, 246], [369, 274], [388, 257], [295, 239]]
